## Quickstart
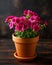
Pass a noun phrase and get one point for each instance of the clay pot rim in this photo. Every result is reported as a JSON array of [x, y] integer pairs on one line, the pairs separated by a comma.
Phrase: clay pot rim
[[25, 40]]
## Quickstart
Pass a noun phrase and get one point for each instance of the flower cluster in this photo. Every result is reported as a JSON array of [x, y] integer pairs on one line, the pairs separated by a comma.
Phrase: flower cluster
[[29, 20]]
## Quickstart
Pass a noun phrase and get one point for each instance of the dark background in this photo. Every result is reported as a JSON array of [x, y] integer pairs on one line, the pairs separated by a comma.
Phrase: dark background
[[16, 7]]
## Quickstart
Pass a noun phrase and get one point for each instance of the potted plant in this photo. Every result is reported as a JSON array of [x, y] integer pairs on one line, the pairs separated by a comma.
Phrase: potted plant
[[26, 33]]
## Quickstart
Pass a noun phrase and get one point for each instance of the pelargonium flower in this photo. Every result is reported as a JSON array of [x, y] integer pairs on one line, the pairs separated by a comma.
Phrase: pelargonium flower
[[11, 25], [35, 19], [8, 18], [26, 24], [17, 20], [29, 12], [29, 22], [36, 28], [22, 18], [13, 20], [32, 24], [19, 27]]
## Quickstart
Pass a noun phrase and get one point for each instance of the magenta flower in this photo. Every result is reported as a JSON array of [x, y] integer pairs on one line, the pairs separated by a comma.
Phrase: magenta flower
[[17, 20], [25, 12], [8, 18], [19, 27], [36, 28], [14, 20], [10, 25], [30, 20], [35, 19], [23, 18], [29, 12], [26, 25]]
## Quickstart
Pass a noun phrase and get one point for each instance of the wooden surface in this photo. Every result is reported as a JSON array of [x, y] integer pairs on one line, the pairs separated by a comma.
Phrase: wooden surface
[[44, 53]]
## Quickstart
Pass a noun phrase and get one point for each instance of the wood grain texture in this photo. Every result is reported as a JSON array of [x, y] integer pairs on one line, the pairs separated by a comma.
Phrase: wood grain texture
[[44, 53]]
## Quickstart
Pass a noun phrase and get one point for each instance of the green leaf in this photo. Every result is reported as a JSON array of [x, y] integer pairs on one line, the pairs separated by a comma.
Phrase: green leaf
[[29, 33], [42, 26]]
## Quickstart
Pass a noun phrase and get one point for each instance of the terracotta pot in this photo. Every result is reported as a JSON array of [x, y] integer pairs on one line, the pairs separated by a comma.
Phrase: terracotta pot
[[25, 47]]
